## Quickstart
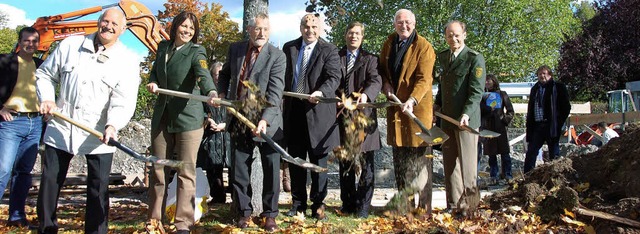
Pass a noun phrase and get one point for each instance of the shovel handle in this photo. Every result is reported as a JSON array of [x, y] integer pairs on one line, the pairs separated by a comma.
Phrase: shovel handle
[[410, 114], [77, 124]]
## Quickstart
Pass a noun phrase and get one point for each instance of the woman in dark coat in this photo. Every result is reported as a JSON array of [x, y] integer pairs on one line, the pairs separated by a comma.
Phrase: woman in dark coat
[[497, 113]]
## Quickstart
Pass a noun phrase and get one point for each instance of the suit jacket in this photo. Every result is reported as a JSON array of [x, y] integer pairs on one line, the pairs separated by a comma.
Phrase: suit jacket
[[364, 78], [186, 71], [9, 74], [461, 86], [561, 105], [415, 80], [322, 74], [267, 73]]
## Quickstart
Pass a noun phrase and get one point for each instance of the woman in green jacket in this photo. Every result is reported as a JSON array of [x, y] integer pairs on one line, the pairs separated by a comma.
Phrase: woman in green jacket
[[177, 124]]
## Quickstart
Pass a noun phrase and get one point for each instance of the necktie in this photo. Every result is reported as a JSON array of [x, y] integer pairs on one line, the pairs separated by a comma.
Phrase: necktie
[[452, 57], [352, 60], [171, 52], [400, 44], [246, 71], [303, 70]]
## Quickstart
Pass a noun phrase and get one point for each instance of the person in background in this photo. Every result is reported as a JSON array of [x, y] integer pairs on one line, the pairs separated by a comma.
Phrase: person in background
[[360, 69], [177, 123], [215, 148], [547, 110], [311, 128], [459, 94], [260, 63], [607, 133], [497, 113], [20, 123], [97, 80]]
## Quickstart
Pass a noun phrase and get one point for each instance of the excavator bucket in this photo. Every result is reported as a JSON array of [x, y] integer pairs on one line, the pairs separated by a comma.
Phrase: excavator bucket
[[143, 24]]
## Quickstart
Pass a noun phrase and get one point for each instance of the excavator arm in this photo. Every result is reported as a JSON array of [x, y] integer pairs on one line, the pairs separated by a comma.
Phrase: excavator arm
[[140, 21]]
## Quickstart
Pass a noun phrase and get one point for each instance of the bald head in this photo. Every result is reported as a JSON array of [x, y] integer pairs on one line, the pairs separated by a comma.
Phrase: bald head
[[111, 25], [310, 28]]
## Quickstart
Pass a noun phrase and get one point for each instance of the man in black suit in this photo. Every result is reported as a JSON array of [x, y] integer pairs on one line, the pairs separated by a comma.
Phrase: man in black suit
[[262, 64], [360, 69], [547, 110], [313, 67], [20, 122]]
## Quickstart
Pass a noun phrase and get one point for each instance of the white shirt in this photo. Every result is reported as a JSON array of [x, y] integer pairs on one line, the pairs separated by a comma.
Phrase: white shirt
[[95, 90], [608, 135]]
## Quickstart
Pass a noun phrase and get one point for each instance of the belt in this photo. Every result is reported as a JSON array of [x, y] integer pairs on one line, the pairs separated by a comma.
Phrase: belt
[[26, 114]]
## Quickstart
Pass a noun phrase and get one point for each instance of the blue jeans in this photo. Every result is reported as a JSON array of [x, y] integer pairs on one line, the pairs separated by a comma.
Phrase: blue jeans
[[506, 165], [19, 141]]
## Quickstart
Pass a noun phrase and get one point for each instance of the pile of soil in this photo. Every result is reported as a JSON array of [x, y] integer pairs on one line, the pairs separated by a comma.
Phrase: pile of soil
[[607, 180]]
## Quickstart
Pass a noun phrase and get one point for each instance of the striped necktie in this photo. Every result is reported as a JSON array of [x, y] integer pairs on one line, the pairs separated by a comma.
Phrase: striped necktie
[[303, 70], [352, 60]]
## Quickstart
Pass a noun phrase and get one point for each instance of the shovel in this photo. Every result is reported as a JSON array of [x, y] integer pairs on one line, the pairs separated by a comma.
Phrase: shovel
[[283, 153], [378, 104], [124, 148], [433, 136], [306, 97], [227, 103], [484, 133]]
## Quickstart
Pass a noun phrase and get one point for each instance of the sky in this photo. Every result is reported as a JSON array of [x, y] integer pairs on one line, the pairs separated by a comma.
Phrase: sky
[[284, 15]]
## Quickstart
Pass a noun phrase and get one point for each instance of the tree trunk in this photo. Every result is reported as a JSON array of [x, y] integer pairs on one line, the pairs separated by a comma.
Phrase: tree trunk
[[251, 9]]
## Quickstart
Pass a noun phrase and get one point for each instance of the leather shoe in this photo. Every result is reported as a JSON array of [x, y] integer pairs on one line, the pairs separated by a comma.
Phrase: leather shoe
[[319, 213], [20, 223], [270, 224], [182, 232], [294, 211], [243, 222]]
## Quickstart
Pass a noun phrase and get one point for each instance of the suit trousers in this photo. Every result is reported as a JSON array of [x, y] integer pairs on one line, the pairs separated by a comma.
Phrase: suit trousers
[[54, 172], [240, 171], [460, 169], [299, 146], [414, 173], [164, 145], [357, 197], [541, 134]]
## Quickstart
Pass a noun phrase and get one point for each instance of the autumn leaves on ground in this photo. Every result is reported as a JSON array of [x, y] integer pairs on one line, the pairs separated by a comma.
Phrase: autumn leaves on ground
[[553, 197]]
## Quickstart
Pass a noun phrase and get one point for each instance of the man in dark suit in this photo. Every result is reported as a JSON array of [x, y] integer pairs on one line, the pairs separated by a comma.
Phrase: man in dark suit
[[547, 111], [460, 90], [313, 67], [262, 64], [360, 72], [20, 122]]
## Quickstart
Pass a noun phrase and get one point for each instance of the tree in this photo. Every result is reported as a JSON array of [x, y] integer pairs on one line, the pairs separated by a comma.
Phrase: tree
[[251, 9], [606, 54], [515, 37], [8, 37]]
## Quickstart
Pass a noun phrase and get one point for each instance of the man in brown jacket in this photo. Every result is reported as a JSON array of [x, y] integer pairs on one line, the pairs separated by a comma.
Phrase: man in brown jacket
[[406, 65]]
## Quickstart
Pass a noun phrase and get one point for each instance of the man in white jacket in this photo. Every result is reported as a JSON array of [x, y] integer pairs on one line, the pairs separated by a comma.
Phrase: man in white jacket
[[97, 78]]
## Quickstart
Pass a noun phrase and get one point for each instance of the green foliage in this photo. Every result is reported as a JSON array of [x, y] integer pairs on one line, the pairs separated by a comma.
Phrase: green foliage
[[4, 19], [146, 100], [585, 11], [605, 55], [8, 39], [515, 37]]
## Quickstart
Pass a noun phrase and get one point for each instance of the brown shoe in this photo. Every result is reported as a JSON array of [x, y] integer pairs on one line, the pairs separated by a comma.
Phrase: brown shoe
[[243, 222], [286, 178], [270, 224], [319, 213]]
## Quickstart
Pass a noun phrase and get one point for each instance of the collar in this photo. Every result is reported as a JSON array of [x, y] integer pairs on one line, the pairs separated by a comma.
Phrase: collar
[[312, 45], [355, 54], [457, 52]]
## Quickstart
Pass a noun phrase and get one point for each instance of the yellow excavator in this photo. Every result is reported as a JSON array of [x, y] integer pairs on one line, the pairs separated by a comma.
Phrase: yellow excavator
[[140, 21]]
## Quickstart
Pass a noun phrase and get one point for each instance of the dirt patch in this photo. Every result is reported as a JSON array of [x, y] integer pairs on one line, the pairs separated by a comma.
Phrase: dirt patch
[[606, 180]]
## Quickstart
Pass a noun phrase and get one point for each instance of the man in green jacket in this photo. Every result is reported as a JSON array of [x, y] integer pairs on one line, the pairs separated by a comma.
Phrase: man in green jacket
[[460, 90]]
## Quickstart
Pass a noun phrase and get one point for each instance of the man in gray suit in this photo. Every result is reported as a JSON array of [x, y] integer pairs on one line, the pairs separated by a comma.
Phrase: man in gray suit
[[262, 64]]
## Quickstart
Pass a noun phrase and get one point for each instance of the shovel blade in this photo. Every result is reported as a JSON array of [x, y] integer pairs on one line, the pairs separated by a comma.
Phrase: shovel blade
[[434, 136]]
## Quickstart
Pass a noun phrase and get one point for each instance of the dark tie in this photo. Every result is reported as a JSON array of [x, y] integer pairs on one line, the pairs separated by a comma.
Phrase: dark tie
[[452, 57], [352, 61], [400, 44], [303, 70], [246, 71]]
